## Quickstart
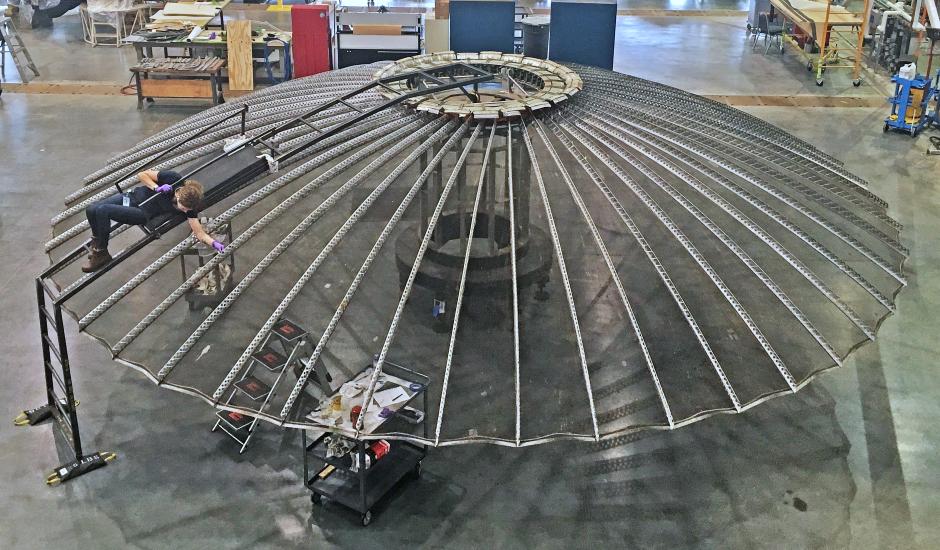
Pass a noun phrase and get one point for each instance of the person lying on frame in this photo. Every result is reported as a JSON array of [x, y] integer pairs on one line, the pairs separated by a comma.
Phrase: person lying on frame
[[134, 208]]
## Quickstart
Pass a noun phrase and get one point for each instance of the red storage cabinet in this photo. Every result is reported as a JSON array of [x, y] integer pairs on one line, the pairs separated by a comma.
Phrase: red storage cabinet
[[311, 39]]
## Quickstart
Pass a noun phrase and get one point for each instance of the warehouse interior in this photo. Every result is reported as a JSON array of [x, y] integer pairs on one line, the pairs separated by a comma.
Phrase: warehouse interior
[[848, 461]]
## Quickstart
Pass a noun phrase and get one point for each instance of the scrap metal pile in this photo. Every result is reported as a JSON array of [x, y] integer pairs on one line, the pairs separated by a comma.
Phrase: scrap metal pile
[[183, 64], [619, 256]]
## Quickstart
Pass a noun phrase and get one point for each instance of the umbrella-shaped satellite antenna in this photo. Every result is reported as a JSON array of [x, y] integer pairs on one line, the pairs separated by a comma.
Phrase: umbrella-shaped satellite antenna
[[544, 251]]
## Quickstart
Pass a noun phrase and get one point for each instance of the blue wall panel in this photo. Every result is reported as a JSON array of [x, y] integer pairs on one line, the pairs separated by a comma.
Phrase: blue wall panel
[[481, 26], [583, 33]]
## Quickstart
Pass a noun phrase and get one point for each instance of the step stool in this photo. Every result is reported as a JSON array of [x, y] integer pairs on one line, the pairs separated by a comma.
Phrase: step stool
[[253, 386]]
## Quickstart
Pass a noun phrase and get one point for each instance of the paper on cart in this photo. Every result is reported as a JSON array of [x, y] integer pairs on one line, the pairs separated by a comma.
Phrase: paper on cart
[[389, 397]]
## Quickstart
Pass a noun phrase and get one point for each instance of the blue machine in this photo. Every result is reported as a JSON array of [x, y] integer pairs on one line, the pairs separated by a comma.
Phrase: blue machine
[[583, 31], [910, 104], [482, 25]]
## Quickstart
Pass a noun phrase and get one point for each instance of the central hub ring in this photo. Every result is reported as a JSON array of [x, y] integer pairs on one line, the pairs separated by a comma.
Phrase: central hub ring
[[523, 84]]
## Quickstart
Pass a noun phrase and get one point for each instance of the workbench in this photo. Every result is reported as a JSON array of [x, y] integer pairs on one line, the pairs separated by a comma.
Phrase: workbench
[[203, 46], [205, 83], [837, 32]]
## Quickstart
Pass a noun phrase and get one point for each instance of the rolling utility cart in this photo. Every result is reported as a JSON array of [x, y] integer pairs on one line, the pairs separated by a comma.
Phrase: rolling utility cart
[[910, 103], [212, 288], [357, 473]]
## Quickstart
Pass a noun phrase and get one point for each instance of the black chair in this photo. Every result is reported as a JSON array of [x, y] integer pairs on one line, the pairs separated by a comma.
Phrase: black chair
[[771, 31]]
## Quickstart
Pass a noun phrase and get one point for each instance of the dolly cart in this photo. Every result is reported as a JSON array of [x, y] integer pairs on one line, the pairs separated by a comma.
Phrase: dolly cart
[[210, 291], [910, 102], [354, 472]]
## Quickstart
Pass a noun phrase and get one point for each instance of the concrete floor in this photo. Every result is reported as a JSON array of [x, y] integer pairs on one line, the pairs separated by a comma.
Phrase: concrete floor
[[850, 462]]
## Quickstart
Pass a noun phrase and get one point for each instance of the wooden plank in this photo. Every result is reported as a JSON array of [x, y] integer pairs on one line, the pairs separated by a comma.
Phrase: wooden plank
[[441, 9], [810, 19], [799, 101], [235, 93], [241, 74], [150, 87], [63, 87], [377, 29]]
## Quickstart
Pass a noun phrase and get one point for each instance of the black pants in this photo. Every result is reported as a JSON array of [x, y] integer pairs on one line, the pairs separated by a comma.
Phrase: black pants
[[100, 215]]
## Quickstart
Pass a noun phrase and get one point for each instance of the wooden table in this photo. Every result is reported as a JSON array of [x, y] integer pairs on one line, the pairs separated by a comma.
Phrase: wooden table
[[838, 33], [202, 84], [218, 47], [809, 16]]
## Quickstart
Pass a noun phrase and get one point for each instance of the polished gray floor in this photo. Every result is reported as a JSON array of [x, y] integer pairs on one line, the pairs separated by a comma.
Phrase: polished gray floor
[[849, 462]]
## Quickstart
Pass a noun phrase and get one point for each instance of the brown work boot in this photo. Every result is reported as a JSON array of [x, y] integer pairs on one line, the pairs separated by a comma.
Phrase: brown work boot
[[96, 260]]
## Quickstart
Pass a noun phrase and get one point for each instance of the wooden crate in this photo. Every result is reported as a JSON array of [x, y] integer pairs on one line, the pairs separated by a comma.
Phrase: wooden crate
[[198, 89]]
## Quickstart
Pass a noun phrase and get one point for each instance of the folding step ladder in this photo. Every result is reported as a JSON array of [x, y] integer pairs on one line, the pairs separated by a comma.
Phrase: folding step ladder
[[11, 43], [265, 364]]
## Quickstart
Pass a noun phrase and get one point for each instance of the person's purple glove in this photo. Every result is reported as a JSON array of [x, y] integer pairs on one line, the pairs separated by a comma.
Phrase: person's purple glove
[[218, 246], [165, 188]]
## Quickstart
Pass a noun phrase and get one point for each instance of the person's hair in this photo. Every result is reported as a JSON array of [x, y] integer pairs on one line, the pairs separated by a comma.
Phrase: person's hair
[[190, 194]]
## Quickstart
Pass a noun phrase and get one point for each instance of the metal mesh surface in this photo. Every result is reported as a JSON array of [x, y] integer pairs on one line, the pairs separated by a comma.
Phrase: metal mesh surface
[[682, 258]]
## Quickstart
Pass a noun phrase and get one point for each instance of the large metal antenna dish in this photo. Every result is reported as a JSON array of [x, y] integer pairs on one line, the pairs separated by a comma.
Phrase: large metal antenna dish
[[564, 252]]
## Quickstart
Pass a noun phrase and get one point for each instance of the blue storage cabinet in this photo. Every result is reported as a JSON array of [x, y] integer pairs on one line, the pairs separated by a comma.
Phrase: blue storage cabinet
[[482, 25], [583, 32]]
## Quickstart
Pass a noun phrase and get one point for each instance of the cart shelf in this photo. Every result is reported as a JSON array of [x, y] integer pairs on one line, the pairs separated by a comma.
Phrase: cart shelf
[[361, 489], [342, 485]]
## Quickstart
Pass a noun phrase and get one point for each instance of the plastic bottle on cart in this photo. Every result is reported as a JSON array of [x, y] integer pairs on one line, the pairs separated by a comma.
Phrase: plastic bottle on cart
[[908, 72], [373, 454]]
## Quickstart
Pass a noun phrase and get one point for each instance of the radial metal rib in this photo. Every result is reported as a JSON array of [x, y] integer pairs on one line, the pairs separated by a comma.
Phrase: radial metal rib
[[82, 226], [655, 106], [243, 205], [556, 242], [270, 113], [515, 280], [739, 216], [132, 180], [695, 254], [463, 281], [599, 241], [681, 146], [328, 203], [789, 201], [673, 149], [406, 290], [274, 253], [370, 258], [667, 281], [725, 240]]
